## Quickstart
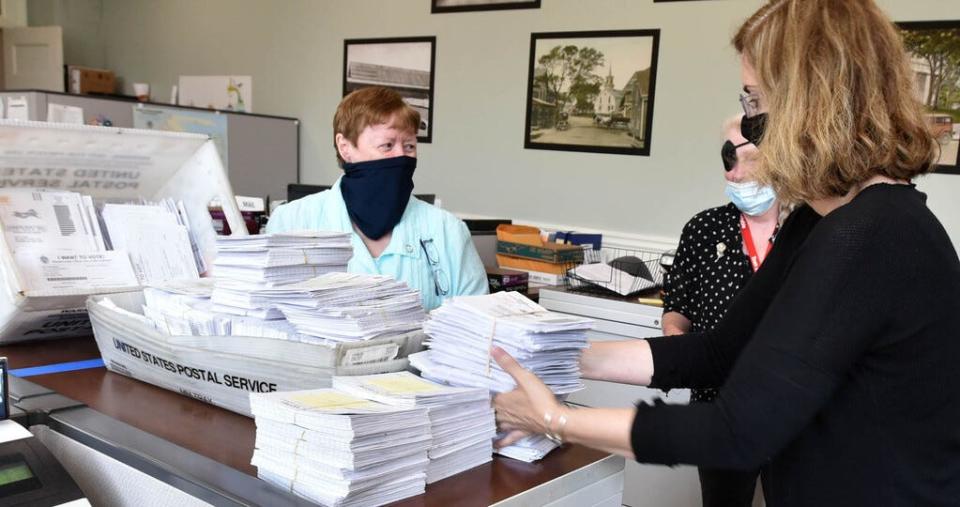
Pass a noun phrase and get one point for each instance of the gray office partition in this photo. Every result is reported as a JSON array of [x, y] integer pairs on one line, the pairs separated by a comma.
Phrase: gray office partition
[[263, 152]]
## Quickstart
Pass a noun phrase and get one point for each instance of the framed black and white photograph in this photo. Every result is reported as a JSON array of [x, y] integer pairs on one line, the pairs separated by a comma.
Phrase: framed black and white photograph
[[592, 91], [441, 6], [402, 64], [934, 48]]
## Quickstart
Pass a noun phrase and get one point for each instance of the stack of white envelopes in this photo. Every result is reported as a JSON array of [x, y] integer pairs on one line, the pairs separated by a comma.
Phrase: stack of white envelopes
[[340, 450], [463, 330], [247, 264], [347, 307], [461, 419], [184, 308]]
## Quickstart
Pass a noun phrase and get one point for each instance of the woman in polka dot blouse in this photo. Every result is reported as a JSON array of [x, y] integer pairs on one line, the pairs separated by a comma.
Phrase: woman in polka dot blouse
[[719, 249]]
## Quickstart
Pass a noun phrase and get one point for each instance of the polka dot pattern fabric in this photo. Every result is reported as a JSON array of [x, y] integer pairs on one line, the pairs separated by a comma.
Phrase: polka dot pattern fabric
[[708, 271]]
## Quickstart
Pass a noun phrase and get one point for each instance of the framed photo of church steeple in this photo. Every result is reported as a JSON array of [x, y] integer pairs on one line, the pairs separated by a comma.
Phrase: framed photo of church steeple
[[592, 91]]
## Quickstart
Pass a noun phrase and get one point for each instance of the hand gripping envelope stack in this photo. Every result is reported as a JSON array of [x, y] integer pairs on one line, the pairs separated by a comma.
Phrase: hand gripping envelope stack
[[370, 439], [463, 330], [266, 322], [95, 210]]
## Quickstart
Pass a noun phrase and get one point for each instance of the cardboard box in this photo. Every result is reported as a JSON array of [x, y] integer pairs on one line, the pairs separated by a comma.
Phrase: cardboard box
[[106, 163], [83, 80], [224, 370], [547, 252]]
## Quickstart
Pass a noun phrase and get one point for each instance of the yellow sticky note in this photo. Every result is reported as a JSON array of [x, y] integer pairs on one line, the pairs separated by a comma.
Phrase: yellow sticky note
[[403, 384], [329, 400]]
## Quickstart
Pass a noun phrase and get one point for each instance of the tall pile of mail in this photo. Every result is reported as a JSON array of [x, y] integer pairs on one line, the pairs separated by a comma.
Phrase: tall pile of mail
[[245, 266], [463, 330], [461, 419], [340, 450]]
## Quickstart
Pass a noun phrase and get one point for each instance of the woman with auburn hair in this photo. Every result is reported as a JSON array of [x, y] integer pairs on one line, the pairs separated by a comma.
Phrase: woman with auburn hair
[[393, 233], [837, 363]]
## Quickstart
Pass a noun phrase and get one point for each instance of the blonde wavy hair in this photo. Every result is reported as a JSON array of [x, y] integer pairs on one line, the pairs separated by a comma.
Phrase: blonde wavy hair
[[840, 101]]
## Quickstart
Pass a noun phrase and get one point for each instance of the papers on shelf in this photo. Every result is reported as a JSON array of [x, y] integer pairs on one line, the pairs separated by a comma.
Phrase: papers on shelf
[[609, 277], [337, 449]]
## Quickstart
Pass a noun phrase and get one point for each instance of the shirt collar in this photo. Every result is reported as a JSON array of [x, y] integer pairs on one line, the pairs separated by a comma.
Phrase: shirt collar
[[405, 240]]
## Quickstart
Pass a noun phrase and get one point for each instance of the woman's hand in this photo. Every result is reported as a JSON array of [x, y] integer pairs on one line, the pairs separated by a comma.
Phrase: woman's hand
[[521, 411]]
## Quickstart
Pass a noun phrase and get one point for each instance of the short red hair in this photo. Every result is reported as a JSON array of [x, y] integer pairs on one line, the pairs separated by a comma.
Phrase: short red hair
[[373, 105]]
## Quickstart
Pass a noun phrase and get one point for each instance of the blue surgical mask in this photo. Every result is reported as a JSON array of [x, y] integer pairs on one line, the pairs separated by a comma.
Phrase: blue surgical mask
[[750, 197], [376, 193]]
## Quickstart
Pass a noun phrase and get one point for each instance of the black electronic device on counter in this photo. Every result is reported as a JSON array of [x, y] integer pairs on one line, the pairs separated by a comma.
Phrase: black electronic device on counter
[[29, 474]]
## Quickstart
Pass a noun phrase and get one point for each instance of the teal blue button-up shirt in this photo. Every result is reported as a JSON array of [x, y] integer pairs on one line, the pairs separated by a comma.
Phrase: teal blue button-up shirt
[[430, 249]]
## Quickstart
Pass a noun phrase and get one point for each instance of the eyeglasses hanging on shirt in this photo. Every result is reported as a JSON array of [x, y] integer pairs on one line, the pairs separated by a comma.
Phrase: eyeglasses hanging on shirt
[[441, 283]]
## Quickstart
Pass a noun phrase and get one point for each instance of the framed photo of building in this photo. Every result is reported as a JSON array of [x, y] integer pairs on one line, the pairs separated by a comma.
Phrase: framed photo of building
[[441, 6], [934, 48], [403, 64], [592, 91]]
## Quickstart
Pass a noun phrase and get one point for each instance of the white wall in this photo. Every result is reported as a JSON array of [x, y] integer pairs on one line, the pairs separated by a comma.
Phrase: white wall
[[476, 163]]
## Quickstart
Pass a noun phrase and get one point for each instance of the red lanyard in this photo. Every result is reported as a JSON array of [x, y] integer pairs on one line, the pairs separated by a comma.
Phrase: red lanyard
[[755, 259]]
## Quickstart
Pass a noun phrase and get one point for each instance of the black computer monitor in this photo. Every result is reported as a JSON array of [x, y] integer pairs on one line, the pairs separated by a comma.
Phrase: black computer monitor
[[296, 190]]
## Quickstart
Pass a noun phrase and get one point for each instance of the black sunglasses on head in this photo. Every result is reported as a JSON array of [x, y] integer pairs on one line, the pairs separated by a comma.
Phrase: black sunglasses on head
[[729, 154]]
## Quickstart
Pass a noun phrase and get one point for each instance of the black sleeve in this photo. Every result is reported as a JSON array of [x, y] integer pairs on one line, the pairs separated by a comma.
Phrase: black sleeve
[[828, 309], [677, 285], [702, 360]]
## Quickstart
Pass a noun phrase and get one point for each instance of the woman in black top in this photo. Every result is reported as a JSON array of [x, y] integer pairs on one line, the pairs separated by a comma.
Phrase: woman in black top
[[719, 249], [837, 363]]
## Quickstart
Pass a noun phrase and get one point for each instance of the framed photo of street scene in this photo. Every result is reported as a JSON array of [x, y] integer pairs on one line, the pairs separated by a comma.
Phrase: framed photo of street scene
[[592, 91], [934, 48], [441, 6], [403, 64]]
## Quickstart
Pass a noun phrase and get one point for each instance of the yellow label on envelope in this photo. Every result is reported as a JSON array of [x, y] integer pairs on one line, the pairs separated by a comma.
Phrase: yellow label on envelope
[[403, 384], [330, 400]]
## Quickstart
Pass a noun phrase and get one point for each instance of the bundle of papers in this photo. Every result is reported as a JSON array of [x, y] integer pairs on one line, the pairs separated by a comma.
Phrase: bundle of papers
[[184, 309], [61, 244], [245, 265], [614, 278], [340, 450], [463, 330], [157, 238], [344, 307], [50, 221], [461, 420]]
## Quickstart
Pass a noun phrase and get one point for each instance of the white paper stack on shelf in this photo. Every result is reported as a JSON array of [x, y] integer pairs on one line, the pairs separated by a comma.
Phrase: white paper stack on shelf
[[345, 307], [461, 419], [340, 450], [246, 265], [463, 330]]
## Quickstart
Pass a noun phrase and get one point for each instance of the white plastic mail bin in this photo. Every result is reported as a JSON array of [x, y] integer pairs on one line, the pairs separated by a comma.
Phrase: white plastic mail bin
[[109, 164], [224, 370]]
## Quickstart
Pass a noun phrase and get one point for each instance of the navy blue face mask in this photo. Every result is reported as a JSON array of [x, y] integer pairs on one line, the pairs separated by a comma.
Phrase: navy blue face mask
[[376, 193]]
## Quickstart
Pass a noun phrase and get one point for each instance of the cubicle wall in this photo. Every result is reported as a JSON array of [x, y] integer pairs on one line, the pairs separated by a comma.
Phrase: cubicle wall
[[262, 151]]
